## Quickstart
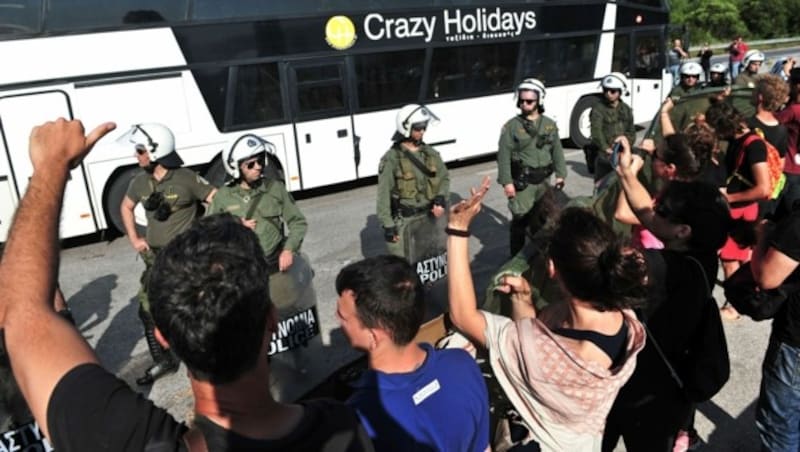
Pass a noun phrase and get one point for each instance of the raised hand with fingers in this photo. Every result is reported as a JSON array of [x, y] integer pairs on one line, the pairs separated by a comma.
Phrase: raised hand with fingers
[[462, 213]]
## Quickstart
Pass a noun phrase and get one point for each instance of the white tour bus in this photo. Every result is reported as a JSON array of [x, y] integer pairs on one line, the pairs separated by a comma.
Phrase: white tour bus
[[320, 80]]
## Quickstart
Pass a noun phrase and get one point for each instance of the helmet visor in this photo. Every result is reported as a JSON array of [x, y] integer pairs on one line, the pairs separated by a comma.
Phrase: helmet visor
[[136, 137]]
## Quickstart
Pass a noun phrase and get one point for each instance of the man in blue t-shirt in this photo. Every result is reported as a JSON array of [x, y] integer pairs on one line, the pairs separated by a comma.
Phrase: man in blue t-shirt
[[412, 397]]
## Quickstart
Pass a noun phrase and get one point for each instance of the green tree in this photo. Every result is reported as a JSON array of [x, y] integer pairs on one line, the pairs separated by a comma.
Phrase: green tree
[[709, 20], [764, 18]]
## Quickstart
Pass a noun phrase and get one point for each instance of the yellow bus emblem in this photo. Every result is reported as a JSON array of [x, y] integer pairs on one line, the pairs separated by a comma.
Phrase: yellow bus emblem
[[340, 33]]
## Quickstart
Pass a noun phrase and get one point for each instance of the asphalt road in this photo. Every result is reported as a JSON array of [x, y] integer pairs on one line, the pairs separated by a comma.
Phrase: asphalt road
[[100, 281]]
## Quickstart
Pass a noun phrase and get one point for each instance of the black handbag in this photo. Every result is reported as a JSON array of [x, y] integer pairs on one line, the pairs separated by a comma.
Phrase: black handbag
[[744, 294]]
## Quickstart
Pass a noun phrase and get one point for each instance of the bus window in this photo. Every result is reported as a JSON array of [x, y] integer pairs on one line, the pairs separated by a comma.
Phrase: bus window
[[213, 84], [474, 70], [72, 14], [20, 16], [389, 79], [649, 55], [319, 89], [557, 61], [257, 95], [621, 59]]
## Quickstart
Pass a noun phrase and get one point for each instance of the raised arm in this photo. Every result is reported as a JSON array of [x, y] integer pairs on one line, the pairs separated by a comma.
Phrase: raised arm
[[463, 303], [41, 344]]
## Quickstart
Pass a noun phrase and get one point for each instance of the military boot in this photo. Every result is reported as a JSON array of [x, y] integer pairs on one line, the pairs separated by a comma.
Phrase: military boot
[[164, 361]]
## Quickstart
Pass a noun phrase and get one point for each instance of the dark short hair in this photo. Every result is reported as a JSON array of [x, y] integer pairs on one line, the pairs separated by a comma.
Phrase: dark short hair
[[701, 206], [689, 161], [724, 119], [592, 263], [209, 296], [388, 294]]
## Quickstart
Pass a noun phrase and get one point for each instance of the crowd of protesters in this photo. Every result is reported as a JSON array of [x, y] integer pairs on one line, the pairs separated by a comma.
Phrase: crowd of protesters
[[603, 362]]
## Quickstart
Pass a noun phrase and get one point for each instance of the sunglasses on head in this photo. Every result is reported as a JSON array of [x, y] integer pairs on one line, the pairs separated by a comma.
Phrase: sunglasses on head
[[528, 101]]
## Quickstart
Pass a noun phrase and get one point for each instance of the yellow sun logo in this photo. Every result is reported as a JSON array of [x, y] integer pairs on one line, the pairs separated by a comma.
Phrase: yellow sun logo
[[340, 33]]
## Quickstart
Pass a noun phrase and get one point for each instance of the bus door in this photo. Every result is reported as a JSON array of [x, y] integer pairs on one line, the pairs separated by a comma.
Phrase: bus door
[[18, 115], [647, 86], [323, 124]]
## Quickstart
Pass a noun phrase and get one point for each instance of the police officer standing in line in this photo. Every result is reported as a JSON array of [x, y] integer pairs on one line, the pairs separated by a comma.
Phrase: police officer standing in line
[[529, 151], [413, 181], [262, 204], [690, 80], [751, 64], [169, 195], [609, 119], [717, 73]]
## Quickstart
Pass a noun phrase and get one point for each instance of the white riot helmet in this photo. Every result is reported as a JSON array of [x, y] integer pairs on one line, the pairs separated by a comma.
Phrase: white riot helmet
[[615, 80], [691, 68], [413, 115], [156, 139], [719, 68], [245, 147], [532, 84], [752, 56]]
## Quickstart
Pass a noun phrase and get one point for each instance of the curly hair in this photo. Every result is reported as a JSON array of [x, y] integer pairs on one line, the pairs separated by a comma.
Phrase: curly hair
[[773, 91]]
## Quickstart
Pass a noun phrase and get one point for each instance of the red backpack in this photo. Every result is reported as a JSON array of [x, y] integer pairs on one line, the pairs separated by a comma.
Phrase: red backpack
[[777, 179]]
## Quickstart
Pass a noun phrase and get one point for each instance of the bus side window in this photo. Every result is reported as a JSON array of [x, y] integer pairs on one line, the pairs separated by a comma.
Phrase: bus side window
[[473, 70], [257, 98], [390, 78]]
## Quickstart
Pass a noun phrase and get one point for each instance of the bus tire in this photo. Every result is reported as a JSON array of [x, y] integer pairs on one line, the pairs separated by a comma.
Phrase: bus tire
[[579, 124], [113, 199]]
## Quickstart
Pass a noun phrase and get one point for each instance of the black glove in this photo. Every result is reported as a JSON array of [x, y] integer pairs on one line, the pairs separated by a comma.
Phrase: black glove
[[390, 233], [439, 201]]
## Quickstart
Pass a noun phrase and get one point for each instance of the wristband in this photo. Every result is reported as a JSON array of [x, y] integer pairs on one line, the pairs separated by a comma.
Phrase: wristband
[[456, 232]]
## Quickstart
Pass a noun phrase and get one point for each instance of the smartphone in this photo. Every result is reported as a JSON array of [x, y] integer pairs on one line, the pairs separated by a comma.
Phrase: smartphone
[[615, 150]]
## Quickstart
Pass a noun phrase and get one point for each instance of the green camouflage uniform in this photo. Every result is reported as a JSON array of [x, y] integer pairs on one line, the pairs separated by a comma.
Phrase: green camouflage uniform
[[275, 207], [182, 189], [415, 191], [746, 79], [534, 144], [609, 122]]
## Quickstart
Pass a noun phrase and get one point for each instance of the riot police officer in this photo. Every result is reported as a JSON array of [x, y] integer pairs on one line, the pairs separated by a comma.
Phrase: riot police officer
[[528, 153], [690, 78], [609, 119], [751, 64], [169, 195], [718, 72], [263, 204], [413, 181]]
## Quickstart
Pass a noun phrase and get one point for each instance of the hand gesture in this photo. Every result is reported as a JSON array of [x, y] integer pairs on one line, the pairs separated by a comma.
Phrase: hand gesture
[[518, 288], [63, 142], [461, 214], [628, 163]]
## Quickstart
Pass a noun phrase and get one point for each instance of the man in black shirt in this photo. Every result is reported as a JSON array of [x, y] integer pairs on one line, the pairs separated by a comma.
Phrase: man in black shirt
[[775, 261], [210, 302]]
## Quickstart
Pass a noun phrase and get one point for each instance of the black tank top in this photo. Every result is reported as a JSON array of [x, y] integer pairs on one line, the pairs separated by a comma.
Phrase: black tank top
[[613, 346]]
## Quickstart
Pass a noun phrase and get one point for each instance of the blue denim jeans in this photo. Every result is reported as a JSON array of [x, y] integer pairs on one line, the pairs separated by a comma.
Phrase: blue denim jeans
[[778, 409]]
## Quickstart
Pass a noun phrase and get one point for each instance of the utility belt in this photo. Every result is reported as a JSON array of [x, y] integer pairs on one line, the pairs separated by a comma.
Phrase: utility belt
[[408, 211], [525, 175]]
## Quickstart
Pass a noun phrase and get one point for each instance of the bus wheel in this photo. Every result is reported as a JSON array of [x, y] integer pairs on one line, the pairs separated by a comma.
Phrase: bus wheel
[[114, 194], [579, 124]]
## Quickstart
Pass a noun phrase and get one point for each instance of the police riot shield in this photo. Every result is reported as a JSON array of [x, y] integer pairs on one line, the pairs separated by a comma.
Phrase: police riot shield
[[426, 249], [296, 344]]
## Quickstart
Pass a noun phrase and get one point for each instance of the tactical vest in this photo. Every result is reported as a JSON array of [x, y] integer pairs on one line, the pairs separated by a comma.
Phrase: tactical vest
[[406, 179]]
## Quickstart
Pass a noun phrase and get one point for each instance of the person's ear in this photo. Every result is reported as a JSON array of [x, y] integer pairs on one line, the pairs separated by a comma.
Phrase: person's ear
[[683, 232]]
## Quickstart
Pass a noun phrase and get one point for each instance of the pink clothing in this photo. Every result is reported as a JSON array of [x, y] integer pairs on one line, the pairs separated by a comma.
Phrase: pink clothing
[[742, 48], [563, 399], [643, 239], [790, 117]]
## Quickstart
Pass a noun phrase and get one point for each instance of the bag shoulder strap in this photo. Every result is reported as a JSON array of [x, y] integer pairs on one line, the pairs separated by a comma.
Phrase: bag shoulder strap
[[653, 341], [703, 273], [416, 162], [256, 198]]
